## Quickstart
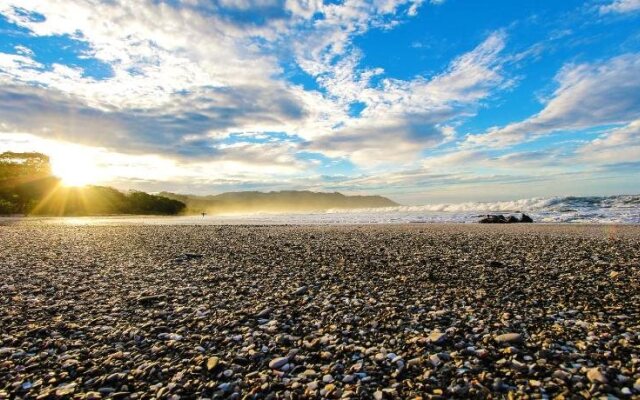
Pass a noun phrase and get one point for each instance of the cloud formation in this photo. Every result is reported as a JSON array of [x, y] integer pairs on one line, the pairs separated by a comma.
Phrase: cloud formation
[[284, 92], [620, 6], [415, 113], [615, 146], [588, 95]]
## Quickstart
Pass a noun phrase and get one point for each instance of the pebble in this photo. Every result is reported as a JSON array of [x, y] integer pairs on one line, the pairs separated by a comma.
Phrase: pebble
[[596, 376], [348, 379], [509, 338], [435, 360], [212, 363], [300, 291], [65, 390], [437, 337], [387, 312], [279, 362]]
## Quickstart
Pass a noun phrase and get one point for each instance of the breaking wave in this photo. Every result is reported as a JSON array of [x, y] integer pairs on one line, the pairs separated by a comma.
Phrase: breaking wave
[[593, 209], [624, 209]]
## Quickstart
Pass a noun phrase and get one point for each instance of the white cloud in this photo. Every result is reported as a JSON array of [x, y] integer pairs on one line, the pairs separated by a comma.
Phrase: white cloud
[[240, 164], [616, 146], [171, 91], [588, 95], [412, 114], [620, 6], [303, 8], [171, 63], [155, 50]]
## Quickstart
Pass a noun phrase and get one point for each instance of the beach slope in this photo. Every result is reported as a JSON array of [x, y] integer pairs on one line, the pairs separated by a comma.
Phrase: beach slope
[[321, 311]]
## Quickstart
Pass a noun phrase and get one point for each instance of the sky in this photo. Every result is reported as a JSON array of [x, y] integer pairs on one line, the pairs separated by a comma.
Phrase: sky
[[424, 101]]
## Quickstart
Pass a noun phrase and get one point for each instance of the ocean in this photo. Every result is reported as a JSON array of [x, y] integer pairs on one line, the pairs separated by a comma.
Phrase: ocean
[[623, 209]]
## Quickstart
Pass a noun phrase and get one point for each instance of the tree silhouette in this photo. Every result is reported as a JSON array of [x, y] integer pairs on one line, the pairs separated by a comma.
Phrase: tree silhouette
[[27, 187]]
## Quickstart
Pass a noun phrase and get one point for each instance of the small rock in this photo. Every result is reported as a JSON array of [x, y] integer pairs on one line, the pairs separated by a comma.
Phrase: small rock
[[508, 338], [279, 362], [147, 300], [106, 390], [348, 379], [212, 362], [65, 390], [435, 360], [437, 337], [526, 219], [560, 374], [596, 376], [301, 290], [6, 350]]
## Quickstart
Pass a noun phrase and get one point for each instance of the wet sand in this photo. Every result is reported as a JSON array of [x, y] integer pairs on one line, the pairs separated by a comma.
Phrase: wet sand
[[394, 311]]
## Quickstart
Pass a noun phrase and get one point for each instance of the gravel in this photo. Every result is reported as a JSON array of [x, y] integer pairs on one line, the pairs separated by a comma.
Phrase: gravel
[[323, 311]]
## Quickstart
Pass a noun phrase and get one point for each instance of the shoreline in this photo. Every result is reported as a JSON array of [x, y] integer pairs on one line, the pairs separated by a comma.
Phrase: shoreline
[[195, 220]]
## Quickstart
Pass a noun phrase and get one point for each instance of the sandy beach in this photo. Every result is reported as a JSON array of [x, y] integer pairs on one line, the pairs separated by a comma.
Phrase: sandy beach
[[392, 311]]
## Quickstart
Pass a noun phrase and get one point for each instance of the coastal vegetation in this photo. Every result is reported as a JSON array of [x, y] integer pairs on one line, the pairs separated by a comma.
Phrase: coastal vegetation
[[28, 187]]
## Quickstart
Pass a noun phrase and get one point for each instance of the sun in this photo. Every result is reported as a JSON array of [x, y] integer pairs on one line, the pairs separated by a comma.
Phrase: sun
[[75, 169]]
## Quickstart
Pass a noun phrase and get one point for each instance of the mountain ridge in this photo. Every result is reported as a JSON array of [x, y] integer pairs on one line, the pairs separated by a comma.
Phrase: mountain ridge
[[276, 201]]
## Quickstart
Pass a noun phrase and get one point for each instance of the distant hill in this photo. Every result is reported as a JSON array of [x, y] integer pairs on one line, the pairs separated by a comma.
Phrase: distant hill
[[283, 201]]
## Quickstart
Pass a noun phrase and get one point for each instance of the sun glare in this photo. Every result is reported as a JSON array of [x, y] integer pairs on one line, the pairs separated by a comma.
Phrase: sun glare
[[74, 169]]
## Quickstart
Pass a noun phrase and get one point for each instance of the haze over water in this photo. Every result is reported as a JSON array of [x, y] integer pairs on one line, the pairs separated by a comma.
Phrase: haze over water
[[608, 210]]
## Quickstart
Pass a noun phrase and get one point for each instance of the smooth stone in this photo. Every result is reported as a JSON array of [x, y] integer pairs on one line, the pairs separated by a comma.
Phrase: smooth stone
[[596, 376], [348, 379], [301, 290], [509, 338], [437, 337], [279, 362], [225, 387], [328, 378], [435, 360], [169, 336], [66, 390], [212, 362], [414, 362], [117, 377], [560, 374]]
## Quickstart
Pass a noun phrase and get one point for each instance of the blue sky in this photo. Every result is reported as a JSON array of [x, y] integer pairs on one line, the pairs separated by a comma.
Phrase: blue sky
[[423, 101]]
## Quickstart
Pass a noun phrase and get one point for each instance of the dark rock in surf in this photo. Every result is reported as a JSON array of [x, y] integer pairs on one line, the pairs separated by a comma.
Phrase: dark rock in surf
[[493, 219], [501, 219], [525, 218]]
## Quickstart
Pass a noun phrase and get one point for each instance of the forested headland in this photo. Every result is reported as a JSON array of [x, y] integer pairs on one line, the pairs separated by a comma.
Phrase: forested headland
[[28, 187]]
